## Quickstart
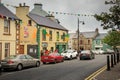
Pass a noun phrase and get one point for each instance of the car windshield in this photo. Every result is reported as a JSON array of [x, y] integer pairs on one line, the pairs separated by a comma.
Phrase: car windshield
[[68, 51], [11, 57], [85, 52], [53, 54]]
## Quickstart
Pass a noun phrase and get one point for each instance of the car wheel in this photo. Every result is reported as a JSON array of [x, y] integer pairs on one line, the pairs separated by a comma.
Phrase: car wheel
[[37, 64], [55, 61], [62, 60], [19, 67], [71, 57]]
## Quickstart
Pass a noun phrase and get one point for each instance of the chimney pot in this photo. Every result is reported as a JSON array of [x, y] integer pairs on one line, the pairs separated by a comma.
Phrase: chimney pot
[[20, 4], [24, 4]]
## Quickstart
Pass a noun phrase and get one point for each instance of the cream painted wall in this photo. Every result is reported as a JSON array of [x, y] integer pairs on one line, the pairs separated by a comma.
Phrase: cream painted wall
[[8, 38]]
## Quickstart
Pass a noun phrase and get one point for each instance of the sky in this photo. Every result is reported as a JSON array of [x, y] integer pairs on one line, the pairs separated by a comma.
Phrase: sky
[[70, 22]]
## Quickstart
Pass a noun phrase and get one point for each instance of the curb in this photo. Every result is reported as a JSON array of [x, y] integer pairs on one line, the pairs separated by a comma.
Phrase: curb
[[93, 75]]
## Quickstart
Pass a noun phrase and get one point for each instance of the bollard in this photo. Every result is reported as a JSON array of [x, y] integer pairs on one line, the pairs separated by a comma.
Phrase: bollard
[[108, 63], [117, 57], [112, 61]]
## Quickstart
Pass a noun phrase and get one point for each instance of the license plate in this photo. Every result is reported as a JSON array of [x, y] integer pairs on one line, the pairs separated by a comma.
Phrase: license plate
[[3, 62]]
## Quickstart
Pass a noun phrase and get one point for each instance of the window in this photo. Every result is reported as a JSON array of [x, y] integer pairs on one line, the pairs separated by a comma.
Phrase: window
[[29, 22], [63, 37], [7, 49], [57, 36], [50, 38], [81, 42], [43, 37], [6, 26], [22, 57], [88, 41]]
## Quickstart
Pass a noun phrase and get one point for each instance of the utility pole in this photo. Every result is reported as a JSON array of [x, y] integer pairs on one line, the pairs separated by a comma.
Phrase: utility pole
[[78, 33]]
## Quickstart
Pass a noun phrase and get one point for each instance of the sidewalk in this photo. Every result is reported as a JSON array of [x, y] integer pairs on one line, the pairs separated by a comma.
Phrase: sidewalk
[[113, 74]]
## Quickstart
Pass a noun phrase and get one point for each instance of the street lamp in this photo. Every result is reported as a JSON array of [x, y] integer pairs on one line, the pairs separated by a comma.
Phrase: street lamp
[[78, 31]]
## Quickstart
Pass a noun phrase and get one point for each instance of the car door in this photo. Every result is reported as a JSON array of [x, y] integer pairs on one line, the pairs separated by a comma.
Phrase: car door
[[23, 60], [30, 60]]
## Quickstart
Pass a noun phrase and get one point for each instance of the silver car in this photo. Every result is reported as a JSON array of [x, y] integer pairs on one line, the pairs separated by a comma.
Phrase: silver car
[[19, 62]]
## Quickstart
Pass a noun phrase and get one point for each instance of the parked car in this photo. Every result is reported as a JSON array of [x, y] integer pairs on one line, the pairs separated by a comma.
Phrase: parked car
[[69, 54], [99, 51], [52, 58], [86, 54], [19, 62], [0, 67]]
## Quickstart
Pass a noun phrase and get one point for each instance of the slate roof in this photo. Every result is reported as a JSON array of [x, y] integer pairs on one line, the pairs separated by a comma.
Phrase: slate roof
[[101, 36], [72, 35], [44, 21], [90, 34], [6, 12]]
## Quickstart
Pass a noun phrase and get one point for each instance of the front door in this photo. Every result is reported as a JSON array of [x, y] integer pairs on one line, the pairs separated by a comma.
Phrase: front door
[[21, 49]]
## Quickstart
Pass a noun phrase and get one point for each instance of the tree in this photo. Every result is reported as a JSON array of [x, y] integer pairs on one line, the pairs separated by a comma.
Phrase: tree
[[112, 39], [111, 19]]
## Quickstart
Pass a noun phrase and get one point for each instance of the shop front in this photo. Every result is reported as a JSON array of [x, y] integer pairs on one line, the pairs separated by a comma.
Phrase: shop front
[[61, 46]]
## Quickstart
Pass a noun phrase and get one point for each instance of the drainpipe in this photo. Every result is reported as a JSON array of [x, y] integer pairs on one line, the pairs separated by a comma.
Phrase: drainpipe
[[38, 41]]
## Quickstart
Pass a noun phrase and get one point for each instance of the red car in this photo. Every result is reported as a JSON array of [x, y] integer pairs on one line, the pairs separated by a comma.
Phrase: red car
[[52, 58]]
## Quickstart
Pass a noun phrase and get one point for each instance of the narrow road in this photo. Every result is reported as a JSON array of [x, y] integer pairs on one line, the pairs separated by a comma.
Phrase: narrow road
[[68, 70]]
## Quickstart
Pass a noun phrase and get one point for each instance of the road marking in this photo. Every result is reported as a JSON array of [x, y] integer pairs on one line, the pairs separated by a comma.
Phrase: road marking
[[92, 76]]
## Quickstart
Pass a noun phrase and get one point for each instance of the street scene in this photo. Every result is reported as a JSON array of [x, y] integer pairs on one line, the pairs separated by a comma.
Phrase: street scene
[[59, 40], [70, 69]]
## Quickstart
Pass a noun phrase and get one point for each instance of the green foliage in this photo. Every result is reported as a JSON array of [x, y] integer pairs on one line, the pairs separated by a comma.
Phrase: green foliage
[[112, 39], [111, 19]]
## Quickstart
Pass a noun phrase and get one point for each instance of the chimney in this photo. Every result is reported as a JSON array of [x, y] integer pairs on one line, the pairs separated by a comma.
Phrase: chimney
[[20, 4], [24, 4], [38, 5], [96, 30]]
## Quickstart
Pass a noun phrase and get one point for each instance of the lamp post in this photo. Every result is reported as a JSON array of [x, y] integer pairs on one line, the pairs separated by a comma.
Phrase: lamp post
[[78, 32], [38, 41]]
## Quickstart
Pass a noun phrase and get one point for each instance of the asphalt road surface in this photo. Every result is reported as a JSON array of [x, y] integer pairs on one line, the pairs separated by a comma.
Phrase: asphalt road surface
[[68, 70]]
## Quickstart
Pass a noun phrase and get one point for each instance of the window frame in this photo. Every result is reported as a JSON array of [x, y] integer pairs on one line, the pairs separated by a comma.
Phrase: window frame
[[6, 25], [7, 47]]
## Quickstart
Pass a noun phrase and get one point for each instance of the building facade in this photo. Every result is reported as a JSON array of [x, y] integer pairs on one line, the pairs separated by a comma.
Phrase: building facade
[[85, 40], [99, 45], [40, 32], [9, 41]]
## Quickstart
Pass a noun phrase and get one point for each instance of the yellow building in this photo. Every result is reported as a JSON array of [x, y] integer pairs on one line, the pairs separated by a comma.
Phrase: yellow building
[[52, 34], [85, 40], [9, 41]]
